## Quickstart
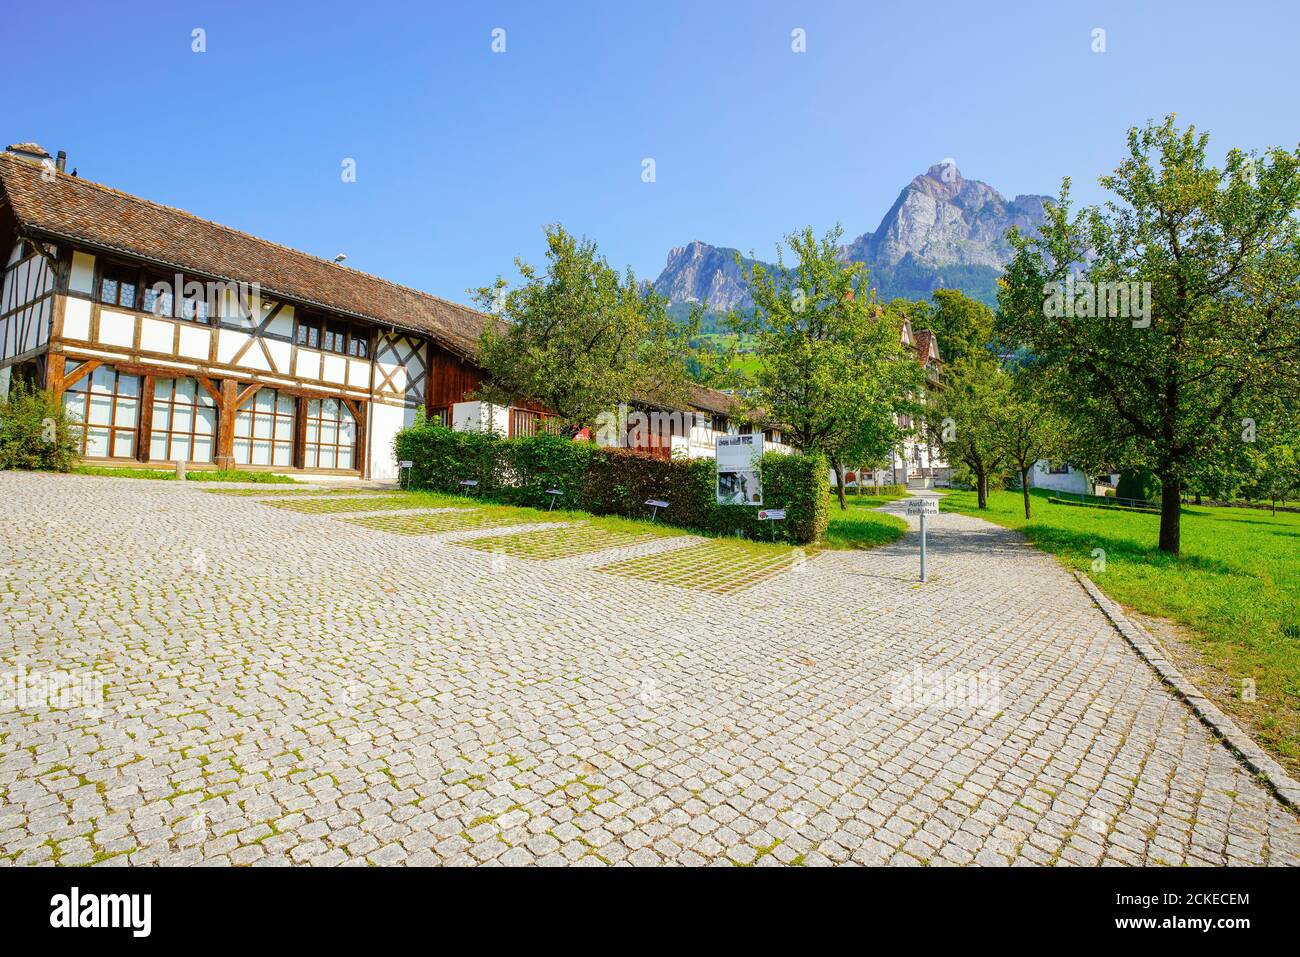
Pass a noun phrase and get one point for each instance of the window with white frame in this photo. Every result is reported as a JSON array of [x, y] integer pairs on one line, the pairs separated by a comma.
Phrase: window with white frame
[[331, 438], [264, 429], [184, 422], [107, 404]]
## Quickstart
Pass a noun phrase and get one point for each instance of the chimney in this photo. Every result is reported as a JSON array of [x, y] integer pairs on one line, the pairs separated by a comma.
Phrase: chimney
[[62, 162]]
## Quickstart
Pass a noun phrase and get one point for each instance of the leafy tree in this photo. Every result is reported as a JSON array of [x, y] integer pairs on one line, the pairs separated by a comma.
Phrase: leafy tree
[[872, 445], [1026, 432], [1138, 485], [579, 338], [964, 325], [1277, 473], [1158, 384], [965, 418], [1272, 459], [831, 367]]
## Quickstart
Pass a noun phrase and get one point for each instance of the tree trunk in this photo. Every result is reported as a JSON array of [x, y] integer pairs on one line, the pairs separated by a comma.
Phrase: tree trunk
[[1198, 498], [982, 489], [1024, 487], [839, 484], [1171, 497]]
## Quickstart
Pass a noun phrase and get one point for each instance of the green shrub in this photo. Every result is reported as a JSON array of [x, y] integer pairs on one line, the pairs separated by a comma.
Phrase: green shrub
[[443, 457], [1141, 485], [36, 432], [534, 464], [620, 481], [611, 481]]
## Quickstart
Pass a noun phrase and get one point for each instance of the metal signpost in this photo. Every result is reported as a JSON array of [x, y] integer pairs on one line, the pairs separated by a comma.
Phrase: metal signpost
[[771, 515], [655, 504], [468, 485], [921, 507], [554, 493], [404, 466]]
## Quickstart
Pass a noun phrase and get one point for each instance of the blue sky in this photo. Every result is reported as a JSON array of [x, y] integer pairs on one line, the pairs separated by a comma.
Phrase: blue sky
[[463, 155]]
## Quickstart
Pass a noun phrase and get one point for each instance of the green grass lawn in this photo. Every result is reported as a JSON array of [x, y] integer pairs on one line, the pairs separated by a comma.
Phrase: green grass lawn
[[860, 526], [166, 475], [1235, 588]]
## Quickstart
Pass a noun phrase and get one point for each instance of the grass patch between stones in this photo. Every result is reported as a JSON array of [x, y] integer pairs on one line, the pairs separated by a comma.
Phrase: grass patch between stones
[[323, 505], [199, 475], [437, 523], [548, 544], [721, 567]]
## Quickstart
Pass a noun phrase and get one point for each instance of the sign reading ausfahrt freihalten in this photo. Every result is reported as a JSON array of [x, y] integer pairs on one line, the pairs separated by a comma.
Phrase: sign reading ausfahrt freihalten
[[921, 507], [737, 460]]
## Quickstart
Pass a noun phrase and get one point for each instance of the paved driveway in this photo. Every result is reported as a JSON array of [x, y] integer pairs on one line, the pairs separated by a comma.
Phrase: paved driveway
[[281, 687]]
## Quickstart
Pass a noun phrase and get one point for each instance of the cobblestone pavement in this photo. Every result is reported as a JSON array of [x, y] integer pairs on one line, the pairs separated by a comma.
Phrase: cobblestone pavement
[[287, 688]]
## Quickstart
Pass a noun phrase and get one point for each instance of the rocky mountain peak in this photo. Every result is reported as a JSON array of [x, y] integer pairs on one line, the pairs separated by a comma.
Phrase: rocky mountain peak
[[701, 273], [945, 174], [943, 230]]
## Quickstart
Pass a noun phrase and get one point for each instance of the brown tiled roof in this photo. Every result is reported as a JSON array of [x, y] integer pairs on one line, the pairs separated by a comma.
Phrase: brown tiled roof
[[78, 210], [711, 400], [81, 211]]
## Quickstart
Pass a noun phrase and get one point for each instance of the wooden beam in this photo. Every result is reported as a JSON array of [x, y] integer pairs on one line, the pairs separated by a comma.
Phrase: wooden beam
[[54, 380], [360, 452], [226, 424], [300, 433], [248, 393], [212, 390], [48, 256], [255, 333], [145, 419], [56, 317], [83, 370]]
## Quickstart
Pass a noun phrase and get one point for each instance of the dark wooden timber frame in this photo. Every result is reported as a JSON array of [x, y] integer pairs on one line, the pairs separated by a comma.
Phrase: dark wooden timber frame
[[435, 377]]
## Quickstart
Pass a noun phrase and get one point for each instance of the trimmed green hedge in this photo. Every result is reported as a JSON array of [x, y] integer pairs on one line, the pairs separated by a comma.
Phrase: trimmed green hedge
[[606, 481]]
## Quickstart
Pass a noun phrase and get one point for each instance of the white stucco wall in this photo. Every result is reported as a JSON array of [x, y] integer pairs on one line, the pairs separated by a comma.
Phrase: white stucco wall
[[480, 417], [1071, 481], [385, 422]]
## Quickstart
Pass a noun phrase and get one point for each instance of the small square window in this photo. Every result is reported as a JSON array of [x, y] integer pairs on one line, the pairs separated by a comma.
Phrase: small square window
[[117, 287], [336, 338]]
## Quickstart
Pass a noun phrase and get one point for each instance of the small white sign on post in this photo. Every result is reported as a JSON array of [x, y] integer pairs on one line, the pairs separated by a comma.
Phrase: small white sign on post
[[921, 507]]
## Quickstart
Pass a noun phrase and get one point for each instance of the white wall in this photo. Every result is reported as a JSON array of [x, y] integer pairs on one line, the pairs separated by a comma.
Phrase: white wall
[[385, 422], [480, 417], [29, 328], [1071, 481], [82, 277]]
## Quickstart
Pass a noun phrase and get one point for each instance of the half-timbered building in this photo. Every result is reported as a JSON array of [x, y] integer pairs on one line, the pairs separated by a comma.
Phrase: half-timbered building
[[173, 338]]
